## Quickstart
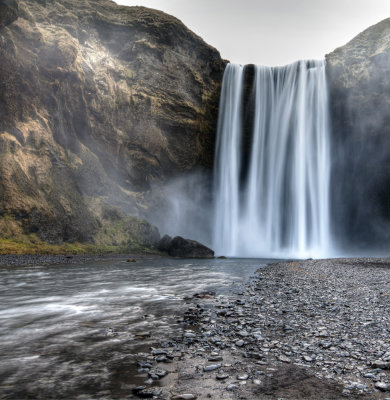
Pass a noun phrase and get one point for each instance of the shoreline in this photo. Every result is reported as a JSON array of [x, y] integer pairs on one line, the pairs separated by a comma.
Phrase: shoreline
[[20, 260], [299, 330], [303, 329]]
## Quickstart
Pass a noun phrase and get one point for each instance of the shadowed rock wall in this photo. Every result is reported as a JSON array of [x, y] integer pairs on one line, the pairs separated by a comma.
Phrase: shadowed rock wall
[[359, 79]]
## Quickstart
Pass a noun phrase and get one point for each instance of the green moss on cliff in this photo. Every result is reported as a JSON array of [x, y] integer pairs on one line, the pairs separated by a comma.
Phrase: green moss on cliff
[[30, 244], [118, 233]]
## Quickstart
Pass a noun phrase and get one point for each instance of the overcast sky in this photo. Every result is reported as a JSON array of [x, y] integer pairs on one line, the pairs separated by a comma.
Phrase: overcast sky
[[273, 32]]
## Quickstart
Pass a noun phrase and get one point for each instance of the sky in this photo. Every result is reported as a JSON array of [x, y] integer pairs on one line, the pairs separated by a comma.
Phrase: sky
[[273, 32]]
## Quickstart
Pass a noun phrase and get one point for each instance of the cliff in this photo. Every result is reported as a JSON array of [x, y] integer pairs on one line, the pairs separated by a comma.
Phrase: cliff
[[359, 88], [98, 103]]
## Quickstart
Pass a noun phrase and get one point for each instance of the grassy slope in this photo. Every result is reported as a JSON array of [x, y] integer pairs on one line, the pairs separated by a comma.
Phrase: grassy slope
[[110, 240]]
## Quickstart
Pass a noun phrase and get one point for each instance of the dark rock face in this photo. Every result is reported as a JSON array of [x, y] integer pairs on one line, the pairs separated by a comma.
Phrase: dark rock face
[[184, 248], [98, 103], [359, 80], [164, 243], [8, 12]]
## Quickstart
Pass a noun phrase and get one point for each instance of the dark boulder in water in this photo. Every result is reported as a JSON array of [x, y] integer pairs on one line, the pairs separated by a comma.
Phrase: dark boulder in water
[[181, 247], [186, 248], [164, 243]]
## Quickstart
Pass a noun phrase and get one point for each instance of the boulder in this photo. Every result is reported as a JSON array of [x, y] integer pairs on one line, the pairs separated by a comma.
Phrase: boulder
[[164, 244], [184, 248]]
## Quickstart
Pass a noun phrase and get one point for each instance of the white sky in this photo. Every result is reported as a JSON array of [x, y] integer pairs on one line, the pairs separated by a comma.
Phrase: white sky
[[273, 32]]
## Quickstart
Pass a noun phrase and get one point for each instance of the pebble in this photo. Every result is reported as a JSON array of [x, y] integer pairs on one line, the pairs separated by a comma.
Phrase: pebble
[[162, 359], [215, 358], [284, 359], [231, 387], [155, 373], [243, 377], [144, 364], [190, 335], [159, 352], [185, 396], [211, 367], [380, 364], [149, 393], [222, 376], [384, 387], [142, 335]]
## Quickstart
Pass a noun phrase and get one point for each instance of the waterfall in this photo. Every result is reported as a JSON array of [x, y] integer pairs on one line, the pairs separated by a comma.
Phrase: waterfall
[[272, 186]]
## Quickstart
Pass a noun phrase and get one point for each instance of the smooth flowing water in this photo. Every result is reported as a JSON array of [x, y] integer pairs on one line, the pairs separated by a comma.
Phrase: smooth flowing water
[[73, 329], [273, 199]]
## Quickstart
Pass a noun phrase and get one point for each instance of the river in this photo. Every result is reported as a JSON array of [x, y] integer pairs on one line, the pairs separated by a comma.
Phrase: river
[[69, 331]]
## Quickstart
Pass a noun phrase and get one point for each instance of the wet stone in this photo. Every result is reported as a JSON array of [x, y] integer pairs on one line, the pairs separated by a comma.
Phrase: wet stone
[[231, 387], [215, 358], [189, 335], [143, 370], [284, 359], [156, 373], [162, 359], [211, 367], [144, 364], [382, 386], [159, 352], [149, 393], [137, 389], [380, 364], [222, 376]]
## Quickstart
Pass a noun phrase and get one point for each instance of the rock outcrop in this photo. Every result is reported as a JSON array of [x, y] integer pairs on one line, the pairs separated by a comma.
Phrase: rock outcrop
[[359, 79], [98, 103], [8, 12], [183, 248]]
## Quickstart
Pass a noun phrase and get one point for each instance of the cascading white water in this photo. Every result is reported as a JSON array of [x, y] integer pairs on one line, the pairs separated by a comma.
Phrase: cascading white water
[[280, 206]]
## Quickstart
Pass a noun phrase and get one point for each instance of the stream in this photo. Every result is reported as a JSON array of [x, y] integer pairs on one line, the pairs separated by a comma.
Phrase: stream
[[73, 330]]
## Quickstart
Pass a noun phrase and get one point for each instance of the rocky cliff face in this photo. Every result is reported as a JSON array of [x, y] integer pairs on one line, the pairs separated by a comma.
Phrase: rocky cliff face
[[98, 103], [359, 79]]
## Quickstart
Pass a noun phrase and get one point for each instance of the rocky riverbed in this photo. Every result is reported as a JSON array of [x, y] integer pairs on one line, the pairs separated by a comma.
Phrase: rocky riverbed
[[299, 330]]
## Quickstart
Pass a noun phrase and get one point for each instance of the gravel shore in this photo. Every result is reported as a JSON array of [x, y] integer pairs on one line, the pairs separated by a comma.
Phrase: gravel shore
[[299, 330], [15, 260]]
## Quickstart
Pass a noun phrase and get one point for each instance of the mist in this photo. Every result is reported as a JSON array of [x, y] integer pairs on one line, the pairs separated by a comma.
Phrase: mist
[[185, 207]]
